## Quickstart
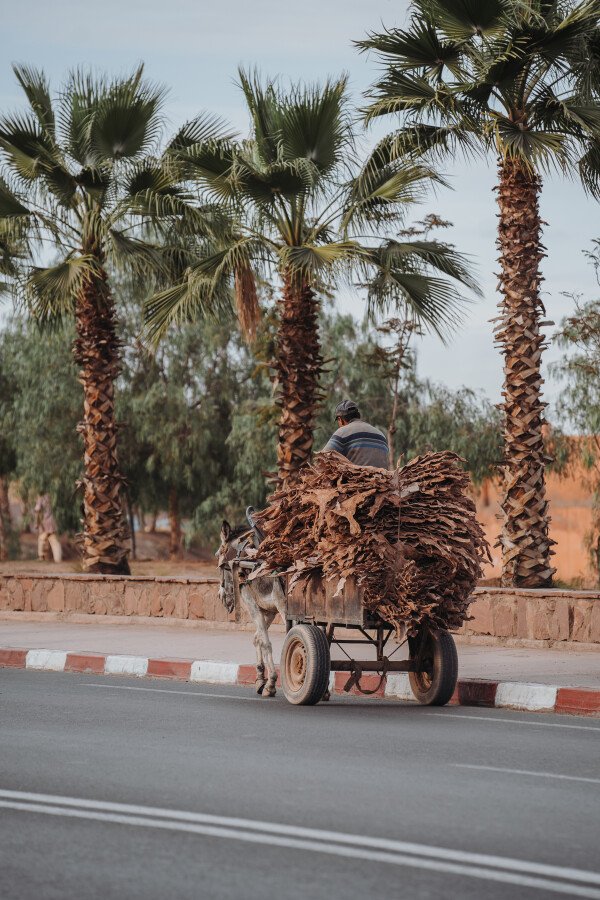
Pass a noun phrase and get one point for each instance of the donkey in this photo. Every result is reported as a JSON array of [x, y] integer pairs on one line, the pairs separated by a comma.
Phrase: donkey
[[263, 598]]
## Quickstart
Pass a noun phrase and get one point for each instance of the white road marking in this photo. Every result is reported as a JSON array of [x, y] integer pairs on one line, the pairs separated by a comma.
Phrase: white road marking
[[449, 715], [127, 687], [574, 882], [529, 772], [525, 696]]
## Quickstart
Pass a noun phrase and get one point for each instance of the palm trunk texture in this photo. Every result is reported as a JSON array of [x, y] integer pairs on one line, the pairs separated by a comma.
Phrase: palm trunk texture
[[96, 351], [526, 546], [298, 369]]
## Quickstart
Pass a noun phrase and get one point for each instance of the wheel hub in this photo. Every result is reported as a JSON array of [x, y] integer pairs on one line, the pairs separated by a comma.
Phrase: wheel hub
[[296, 666]]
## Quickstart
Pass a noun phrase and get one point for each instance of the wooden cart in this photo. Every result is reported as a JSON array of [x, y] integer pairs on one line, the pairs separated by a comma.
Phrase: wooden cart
[[315, 618]]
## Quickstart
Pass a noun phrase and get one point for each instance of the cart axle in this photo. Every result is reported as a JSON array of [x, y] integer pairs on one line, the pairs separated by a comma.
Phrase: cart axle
[[373, 665]]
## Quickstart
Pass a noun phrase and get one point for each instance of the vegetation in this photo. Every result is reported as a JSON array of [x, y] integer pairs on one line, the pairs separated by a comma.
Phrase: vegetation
[[199, 422], [80, 174], [307, 217], [579, 405], [520, 81]]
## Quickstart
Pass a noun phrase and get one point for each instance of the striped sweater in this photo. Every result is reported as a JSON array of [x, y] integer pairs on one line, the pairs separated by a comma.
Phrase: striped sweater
[[361, 443]]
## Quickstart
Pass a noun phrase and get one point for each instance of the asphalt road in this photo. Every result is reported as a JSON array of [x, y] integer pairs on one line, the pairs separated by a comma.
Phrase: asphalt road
[[110, 788]]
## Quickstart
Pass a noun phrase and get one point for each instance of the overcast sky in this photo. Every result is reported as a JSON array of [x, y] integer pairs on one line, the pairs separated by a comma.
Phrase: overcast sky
[[195, 47]]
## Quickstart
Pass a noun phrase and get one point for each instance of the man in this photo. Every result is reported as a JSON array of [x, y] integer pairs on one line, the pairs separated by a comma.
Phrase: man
[[355, 439], [46, 527]]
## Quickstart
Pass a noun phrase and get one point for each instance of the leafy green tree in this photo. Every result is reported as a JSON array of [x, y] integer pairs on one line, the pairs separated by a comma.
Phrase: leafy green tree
[[81, 175], [305, 216], [177, 405], [578, 405], [426, 416], [39, 413], [519, 80], [462, 421]]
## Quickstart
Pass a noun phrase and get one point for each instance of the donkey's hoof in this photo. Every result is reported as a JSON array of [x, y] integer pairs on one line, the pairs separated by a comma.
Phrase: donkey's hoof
[[260, 685], [269, 691], [326, 696]]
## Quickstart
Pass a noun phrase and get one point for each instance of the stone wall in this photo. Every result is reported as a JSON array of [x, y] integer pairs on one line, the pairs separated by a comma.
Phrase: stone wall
[[499, 615], [521, 617], [114, 595]]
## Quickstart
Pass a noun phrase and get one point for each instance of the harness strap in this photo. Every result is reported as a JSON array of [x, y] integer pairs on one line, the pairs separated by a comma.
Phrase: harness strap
[[235, 576]]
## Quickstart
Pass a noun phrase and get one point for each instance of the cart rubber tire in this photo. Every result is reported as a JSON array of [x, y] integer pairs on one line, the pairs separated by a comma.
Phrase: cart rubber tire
[[435, 686], [305, 665]]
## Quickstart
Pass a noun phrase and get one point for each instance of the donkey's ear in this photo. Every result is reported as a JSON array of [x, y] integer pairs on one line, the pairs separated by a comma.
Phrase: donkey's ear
[[225, 530]]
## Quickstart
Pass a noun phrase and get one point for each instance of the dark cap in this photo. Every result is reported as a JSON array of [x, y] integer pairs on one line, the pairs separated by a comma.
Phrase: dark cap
[[347, 409]]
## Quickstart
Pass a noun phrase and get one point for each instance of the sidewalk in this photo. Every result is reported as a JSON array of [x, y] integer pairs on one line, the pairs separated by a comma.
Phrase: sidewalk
[[513, 670]]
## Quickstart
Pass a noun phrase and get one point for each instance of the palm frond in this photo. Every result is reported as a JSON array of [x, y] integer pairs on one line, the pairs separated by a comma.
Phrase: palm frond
[[10, 205], [420, 48], [204, 129], [52, 291], [460, 20], [539, 149], [384, 189], [265, 113], [432, 303], [125, 120], [195, 296], [37, 89], [589, 168], [134, 255], [435, 255], [314, 125]]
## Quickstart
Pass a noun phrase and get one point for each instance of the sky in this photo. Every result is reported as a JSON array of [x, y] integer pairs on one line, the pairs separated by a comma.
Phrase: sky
[[195, 47]]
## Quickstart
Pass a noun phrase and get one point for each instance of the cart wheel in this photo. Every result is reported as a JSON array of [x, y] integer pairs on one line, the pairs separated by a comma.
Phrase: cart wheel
[[305, 665], [434, 685]]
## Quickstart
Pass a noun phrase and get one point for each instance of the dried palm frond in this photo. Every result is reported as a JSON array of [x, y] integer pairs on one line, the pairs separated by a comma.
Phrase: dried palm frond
[[408, 537]]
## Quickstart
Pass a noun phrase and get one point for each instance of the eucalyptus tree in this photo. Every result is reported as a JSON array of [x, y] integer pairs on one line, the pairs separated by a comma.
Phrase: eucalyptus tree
[[82, 181], [306, 215], [517, 80]]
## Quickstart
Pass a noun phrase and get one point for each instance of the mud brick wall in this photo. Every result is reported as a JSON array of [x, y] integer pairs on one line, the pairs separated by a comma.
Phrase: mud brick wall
[[499, 615], [552, 618], [114, 595]]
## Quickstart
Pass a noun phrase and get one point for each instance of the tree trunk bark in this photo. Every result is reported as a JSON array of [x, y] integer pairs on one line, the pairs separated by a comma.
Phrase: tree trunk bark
[[5, 522], [298, 368], [392, 427], [526, 546], [96, 351], [175, 526]]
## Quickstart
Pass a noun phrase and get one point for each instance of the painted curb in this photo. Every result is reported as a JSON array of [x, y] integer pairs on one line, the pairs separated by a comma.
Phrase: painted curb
[[527, 696]]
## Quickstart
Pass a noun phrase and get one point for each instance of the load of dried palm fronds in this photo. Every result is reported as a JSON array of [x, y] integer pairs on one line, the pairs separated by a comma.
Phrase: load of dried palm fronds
[[408, 537]]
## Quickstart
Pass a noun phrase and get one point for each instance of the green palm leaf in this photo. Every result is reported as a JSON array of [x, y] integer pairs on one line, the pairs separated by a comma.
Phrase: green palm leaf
[[52, 291], [36, 87]]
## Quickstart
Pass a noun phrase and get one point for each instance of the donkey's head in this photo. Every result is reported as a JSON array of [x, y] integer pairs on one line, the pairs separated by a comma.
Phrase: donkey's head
[[226, 553]]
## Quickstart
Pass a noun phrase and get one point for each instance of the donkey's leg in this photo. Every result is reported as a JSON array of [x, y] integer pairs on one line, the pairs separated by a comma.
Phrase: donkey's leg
[[261, 638], [270, 688], [260, 666]]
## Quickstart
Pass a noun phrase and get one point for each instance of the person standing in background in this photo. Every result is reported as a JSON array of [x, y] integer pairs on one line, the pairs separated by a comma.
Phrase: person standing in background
[[46, 527]]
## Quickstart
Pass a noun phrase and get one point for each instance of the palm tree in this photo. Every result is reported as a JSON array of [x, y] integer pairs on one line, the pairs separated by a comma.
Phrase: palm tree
[[301, 209], [81, 177], [519, 80]]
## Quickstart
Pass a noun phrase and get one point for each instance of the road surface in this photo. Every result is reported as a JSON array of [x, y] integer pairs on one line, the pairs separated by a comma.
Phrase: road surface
[[113, 788]]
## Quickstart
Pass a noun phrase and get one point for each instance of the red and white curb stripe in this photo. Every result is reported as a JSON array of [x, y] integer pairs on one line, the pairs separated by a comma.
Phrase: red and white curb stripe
[[501, 694]]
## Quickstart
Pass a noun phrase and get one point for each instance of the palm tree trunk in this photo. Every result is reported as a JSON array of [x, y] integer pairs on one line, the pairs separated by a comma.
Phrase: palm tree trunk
[[174, 526], [96, 351], [526, 546], [298, 368]]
